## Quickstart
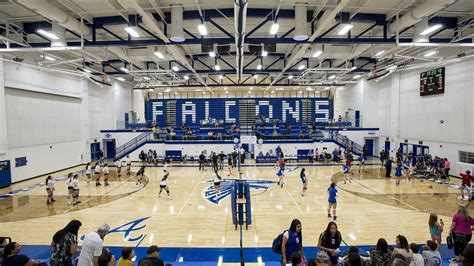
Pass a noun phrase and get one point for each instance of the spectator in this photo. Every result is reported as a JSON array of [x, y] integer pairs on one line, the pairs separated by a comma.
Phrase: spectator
[[92, 246], [381, 255], [127, 256], [12, 258], [468, 254], [399, 260], [446, 167], [403, 249], [417, 258], [64, 244], [330, 241], [461, 231], [353, 258], [296, 259], [382, 157], [431, 255], [388, 167], [153, 256], [106, 258]]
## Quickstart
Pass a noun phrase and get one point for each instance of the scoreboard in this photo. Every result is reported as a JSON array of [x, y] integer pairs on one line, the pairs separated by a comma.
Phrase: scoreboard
[[432, 82]]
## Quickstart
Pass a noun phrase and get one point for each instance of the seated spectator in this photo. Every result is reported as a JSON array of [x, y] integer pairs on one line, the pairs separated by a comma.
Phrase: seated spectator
[[468, 255], [153, 255], [11, 256], [127, 256], [267, 154], [399, 260], [353, 258], [381, 255], [417, 258], [106, 258], [403, 249], [260, 153], [295, 259], [431, 255]]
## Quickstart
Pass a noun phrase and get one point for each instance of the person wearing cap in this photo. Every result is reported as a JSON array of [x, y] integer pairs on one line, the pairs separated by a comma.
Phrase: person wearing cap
[[153, 256], [92, 246]]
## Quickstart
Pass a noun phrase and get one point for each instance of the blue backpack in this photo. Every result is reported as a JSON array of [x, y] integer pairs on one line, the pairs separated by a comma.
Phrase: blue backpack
[[276, 245]]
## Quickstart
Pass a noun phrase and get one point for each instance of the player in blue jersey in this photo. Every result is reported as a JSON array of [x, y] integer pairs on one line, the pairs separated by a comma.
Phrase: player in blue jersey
[[281, 169], [406, 168], [362, 163], [398, 174], [304, 180], [346, 168], [332, 201]]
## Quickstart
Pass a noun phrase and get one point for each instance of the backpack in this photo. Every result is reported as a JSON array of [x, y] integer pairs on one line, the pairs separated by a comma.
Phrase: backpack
[[276, 245]]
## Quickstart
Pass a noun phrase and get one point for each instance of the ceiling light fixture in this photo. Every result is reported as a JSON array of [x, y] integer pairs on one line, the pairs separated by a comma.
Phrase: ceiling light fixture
[[212, 54], [431, 53], [345, 28], [186, 77], [251, 88], [226, 92], [48, 34], [132, 32], [431, 29], [332, 77], [255, 76], [47, 57], [146, 78], [274, 28], [380, 53], [225, 88], [217, 67], [290, 77], [317, 53], [301, 67], [87, 70], [124, 69], [353, 68], [264, 53], [259, 67], [309, 88], [121, 79], [202, 29], [175, 68], [356, 76], [159, 55], [221, 77]]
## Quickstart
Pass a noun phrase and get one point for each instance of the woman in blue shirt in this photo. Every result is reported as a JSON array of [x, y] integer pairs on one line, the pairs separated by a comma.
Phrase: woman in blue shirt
[[304, 180], [292, 241], [398, 174], [332, 202]]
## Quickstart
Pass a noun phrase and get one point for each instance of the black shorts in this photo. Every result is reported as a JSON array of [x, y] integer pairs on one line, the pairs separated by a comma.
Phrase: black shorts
[[217, 183], [163, 186], [106, 174], [69, 188], [75, 190], [48, 189]]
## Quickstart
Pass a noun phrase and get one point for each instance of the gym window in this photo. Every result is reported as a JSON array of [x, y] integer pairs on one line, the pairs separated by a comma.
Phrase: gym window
[[466, 157]]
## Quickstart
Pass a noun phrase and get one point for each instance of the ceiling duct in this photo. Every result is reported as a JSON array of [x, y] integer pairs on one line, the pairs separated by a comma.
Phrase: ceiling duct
[[177, 32], [60, 32], [419, 28], [301, 29]]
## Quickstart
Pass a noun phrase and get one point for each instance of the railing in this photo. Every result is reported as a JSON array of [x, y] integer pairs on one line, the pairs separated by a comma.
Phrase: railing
[[345, 142], [132, 144]]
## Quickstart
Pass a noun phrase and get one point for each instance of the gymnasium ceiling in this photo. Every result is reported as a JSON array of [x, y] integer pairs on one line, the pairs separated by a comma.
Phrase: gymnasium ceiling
[[238, 32]]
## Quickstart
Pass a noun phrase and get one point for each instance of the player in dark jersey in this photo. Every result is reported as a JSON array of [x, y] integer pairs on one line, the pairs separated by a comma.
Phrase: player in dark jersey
[[164, 184], [304, 180]]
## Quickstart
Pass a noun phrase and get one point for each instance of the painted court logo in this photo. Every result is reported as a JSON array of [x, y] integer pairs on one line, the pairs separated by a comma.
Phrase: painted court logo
[[226, 189]]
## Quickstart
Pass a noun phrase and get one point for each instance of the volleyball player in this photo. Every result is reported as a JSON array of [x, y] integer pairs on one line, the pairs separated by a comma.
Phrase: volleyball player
[[164, 184], [332, 201], [49, 189], [69, 187], [466, 183], [229, 163], [406, 168], [105, 170], [281, 169], [345, 169], [88, 172], [362, 163], [128, 163], [140, 175], [216, 181], [75, 186], [304, 180], [97, 174], [398, 174], [118, 165]]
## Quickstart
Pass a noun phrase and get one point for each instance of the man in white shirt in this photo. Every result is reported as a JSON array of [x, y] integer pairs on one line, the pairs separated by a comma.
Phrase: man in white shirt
[[92, 246], [431, 255]]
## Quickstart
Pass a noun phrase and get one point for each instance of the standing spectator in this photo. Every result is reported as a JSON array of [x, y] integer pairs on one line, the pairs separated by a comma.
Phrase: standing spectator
[[12, 258], [153, 256], [446, 167], [221, 160], [431, 255], [403, 249], [461, 231], [92, 246], [292, 241], [127, 256], [381, 255], [202, 158], [330, 241], [64, 244], [417, 258], [382, 157], [335, 155], [101, 154], [106, 258], [214, 159]]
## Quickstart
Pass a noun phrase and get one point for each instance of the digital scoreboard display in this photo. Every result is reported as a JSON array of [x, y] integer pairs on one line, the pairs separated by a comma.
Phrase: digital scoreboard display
[[432, 82]]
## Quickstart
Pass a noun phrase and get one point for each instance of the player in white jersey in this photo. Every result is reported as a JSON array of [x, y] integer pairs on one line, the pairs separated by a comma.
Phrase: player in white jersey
[[164, 184], [69, 187], [75, 186], [97, 174], [128, 163], [118, 165], [49, 189], [105, 171], [88, 172]]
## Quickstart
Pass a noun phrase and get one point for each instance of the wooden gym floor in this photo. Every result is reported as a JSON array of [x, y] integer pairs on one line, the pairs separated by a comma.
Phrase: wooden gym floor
[[368, 208]]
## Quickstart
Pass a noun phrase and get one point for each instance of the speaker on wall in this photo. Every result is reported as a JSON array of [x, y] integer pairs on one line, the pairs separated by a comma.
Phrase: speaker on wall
[[206, 48], [223, 48]]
